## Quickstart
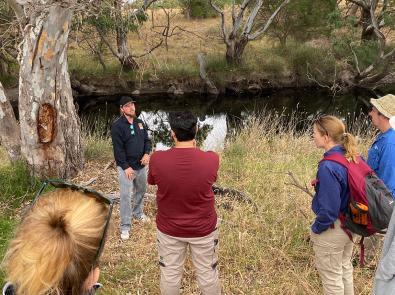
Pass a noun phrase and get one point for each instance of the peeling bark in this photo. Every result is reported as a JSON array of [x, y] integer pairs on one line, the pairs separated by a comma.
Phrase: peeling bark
[[9, 128], [50, 127]]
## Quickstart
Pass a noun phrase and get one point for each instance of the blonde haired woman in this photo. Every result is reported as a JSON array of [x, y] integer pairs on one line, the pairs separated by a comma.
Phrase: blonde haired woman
[[57, 245], [332, 246]]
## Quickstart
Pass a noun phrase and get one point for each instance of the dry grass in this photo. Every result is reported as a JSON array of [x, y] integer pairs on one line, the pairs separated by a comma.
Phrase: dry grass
[[180, 60], [4, 160], [264, 252]]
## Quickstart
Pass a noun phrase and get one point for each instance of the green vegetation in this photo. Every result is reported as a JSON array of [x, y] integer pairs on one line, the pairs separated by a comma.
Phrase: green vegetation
[[301, 20], [315, 39], [197, 8], [264, 252], [97, 139], [16, 189]]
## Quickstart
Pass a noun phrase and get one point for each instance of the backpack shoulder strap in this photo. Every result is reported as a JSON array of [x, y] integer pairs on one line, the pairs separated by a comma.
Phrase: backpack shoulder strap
[[338, 158]]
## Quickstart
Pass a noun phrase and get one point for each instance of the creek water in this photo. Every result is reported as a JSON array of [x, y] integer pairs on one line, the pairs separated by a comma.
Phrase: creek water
[[218, 117]]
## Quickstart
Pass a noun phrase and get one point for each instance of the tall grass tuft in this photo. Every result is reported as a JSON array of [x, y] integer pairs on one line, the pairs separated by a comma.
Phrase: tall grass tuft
[[263, 252], [97, 138]]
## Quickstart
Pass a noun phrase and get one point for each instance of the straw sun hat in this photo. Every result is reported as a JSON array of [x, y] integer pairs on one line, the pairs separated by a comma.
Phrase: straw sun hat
[[386, 106]]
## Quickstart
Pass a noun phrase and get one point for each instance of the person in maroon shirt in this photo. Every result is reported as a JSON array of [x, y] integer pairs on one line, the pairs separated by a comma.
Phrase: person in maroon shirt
[[186, 214]]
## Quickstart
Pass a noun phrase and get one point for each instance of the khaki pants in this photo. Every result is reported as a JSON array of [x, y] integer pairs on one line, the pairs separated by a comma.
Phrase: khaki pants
[[172, 254], [333, 251]]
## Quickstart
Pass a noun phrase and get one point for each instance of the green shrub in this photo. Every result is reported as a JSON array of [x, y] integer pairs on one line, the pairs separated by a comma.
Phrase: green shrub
[[16, 185], [197, 8], [274, 65], [179, 70], [97, 138], [304, 59], [366, 52], [6, 230], [217, 63]]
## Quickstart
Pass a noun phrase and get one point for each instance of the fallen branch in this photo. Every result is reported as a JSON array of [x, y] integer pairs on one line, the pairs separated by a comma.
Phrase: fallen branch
[[235, 194], [211, 88], [92, 180]]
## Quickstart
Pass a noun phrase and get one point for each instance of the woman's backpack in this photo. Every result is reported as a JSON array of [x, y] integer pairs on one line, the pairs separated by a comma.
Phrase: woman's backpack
[[370, 204]]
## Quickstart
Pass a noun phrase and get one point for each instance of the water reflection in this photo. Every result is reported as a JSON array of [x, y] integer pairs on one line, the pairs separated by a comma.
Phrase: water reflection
[[211, 135], [221, 116]]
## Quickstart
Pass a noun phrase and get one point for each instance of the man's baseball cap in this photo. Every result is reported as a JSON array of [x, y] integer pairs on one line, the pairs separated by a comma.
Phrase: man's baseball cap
[[385, 105], [125, 99]]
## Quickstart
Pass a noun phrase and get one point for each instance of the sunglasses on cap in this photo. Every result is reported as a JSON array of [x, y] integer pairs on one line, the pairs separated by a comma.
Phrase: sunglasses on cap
[[89, 193]]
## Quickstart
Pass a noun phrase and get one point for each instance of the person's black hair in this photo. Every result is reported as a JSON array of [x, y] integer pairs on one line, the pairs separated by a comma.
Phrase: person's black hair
[[183, 125]]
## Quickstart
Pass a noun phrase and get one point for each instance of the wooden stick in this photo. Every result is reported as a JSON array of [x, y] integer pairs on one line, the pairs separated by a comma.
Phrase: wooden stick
[[296, 183]]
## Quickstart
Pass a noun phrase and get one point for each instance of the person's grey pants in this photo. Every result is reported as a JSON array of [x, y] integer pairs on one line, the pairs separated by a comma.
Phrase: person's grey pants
[[128, 188]]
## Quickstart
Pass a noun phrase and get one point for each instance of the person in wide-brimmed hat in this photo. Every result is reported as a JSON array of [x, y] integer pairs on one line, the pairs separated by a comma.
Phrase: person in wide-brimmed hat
[[381, 156]]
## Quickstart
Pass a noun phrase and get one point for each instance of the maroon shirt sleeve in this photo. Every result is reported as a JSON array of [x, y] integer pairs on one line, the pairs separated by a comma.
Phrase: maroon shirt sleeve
[[151, 179]]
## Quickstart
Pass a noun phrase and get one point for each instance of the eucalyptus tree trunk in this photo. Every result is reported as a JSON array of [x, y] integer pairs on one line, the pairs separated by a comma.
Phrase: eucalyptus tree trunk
[[124, 55], [243, 29], [235, 49], [50, 127], [10, 136], [368, 33]]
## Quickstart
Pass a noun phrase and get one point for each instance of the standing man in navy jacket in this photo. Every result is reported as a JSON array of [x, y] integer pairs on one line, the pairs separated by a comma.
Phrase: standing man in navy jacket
[[132, 147]]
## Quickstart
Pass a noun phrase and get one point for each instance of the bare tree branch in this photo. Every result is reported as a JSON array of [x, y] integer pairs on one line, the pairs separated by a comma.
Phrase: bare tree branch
[[239, 17], [295, 182], [251, 18], [268, 23], [103, 37], [223, 26], [361, 3], [355, 59], [18, 9], [149, 51]]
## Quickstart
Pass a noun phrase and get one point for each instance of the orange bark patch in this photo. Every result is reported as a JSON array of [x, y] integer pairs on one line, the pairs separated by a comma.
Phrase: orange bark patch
[[46, 123], [43, 38]]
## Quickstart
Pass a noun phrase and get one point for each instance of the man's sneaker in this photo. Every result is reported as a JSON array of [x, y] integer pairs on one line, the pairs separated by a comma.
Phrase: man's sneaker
[[143, 218], [124, 235]]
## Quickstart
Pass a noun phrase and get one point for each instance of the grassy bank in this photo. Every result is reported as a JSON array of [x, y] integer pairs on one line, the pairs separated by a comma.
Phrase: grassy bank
[[263, 252], [262, 59], [16, 189]]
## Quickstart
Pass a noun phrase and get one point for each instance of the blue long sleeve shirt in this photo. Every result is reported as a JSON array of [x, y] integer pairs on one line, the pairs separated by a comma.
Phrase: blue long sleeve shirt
[[381, 158], [332, 192]]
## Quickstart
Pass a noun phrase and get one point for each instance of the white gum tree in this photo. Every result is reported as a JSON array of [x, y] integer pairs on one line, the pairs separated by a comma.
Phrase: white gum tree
[[243, 27], [49, 133]]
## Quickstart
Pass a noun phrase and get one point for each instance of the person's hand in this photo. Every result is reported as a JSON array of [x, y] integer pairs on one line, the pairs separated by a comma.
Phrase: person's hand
[[129, 173], [145, 160]]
